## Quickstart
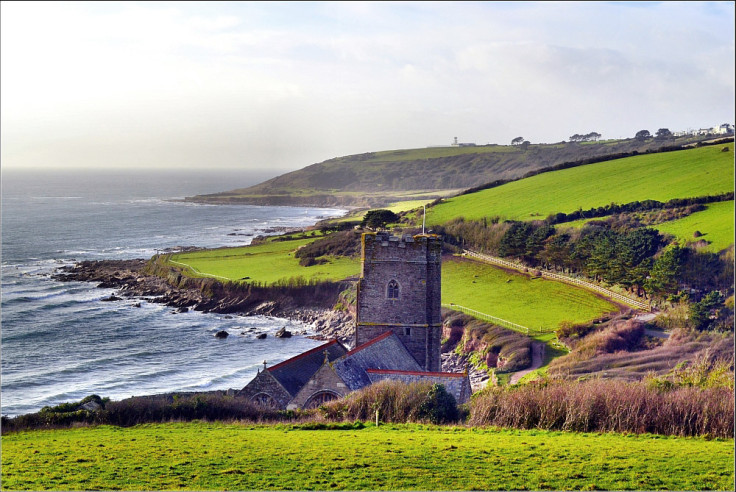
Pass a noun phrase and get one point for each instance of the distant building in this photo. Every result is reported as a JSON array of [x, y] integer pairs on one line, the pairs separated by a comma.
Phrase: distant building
[[397, 334], [462, 144]]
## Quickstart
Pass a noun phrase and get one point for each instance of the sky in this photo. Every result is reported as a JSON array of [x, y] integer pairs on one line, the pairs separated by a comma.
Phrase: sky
[[281, 85]]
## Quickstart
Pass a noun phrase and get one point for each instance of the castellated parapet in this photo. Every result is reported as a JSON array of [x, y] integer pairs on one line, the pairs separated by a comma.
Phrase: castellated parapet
[[400, 291]]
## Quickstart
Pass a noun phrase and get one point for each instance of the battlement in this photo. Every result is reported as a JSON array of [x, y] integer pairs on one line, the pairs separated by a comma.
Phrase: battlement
[[386, 239]]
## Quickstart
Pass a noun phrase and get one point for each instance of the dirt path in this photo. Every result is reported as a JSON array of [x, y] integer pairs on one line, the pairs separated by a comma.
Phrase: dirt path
[[537, 358], [648, 331]]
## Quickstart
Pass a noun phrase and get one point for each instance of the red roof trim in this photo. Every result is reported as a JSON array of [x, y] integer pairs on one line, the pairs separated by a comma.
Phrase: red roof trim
[[371, 342], [303, 354], [416, 373]]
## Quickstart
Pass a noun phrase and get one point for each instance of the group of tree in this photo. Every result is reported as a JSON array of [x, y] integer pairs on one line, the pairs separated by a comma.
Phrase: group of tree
[[662, 134], [637, 259], [521, 142], [637, 206], [589, 137]]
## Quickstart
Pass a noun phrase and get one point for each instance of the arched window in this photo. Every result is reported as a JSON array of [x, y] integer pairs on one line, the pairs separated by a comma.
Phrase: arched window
[[319, 398], [392, 291], [264, 400]]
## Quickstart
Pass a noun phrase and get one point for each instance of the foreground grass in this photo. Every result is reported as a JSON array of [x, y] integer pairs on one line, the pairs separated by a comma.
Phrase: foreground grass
[[204, 456], [681, 174], [533, 302], [265, 263]]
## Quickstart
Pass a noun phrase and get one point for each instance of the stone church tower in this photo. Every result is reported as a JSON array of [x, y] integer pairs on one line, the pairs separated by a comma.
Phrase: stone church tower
[[399, 290]]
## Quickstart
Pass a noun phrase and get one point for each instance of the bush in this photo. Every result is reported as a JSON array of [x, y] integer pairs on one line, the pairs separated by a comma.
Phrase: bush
[[395, 402], [376, 219], [439, 407], [570, 330], [607, 406]]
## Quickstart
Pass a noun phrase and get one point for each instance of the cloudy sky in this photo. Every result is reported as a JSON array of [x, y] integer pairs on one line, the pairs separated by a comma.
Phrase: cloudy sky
[[284, 85]]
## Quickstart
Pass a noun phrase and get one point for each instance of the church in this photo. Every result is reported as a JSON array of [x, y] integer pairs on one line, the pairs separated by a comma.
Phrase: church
[[398, 332]]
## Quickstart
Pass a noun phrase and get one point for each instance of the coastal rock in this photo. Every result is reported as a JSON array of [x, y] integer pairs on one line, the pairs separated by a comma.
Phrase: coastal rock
[[111, 298], [91, 406], [135, 279], [261, 336], [283, 333], [221, 334]]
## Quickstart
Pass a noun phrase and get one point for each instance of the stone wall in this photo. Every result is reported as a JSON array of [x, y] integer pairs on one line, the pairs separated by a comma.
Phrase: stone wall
[[414, 263], [458, 385], [265, 383], [324, 380]]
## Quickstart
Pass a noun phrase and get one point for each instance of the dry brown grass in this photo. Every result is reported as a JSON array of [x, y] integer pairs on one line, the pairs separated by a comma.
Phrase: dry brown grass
[[608, 406]]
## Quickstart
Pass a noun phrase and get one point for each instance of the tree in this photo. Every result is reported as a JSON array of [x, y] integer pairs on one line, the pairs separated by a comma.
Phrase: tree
[[642, 135], [376, 219], [594, 136], [664, 277], [663, 134], [513, 242], [517, 141], [701, 313]]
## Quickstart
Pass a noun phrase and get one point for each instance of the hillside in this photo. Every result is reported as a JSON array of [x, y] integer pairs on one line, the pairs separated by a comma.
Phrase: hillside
[[663, 176], [377, 178]]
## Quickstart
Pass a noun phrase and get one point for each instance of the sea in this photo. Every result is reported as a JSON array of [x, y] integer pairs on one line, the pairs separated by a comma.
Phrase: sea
[[62, 342]]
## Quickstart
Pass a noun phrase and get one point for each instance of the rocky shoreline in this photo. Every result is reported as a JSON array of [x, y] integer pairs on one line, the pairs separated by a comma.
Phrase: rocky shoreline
[[133, 281]]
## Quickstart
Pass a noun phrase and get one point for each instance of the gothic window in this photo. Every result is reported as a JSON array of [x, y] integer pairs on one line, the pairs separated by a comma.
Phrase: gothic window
[[264, 400], [319, 398], [392, 291]]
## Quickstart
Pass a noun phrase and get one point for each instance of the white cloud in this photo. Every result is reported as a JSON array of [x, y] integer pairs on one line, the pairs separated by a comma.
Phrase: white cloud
[[288, 84]]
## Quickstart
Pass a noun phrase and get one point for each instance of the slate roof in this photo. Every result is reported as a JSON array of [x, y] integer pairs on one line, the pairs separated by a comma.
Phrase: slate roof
[[295, 372], [383, 352]]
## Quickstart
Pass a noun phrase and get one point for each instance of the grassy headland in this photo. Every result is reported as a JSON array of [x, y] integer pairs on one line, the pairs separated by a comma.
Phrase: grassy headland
[[377, 179], [663, 176], [266, 263], [208, 456]]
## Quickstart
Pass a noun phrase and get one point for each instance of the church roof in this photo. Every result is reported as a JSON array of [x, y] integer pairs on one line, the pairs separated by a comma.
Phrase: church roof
[[295, 372], [383, 352]]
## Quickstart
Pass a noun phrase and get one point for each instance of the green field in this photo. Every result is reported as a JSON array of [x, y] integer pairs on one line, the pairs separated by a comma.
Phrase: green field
[[395, 207], [209, 456], [265, 263], [682, 174], [715, 223], [532, 302]]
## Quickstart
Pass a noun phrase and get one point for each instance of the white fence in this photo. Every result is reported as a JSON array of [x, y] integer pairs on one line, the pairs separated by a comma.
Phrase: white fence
[[492, 319], [637, 303]]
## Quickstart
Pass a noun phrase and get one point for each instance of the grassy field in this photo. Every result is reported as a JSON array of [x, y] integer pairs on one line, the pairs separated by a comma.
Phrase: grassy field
[[203, 456], [715, 223], [265, 263], [396, 207], [682, 174], [532, 302]]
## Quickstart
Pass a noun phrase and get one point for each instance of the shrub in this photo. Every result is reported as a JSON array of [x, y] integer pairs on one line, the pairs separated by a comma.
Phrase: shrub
[[395, 402], [439, 407], [570, 330], [607, 406]]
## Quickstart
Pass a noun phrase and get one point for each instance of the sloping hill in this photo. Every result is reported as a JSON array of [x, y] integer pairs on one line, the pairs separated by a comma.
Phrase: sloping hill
[[663, 176], [376, 178]]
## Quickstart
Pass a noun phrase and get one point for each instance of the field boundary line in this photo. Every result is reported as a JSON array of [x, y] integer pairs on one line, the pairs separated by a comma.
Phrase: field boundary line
[[646, 306], [487, 317], [211, 275]]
